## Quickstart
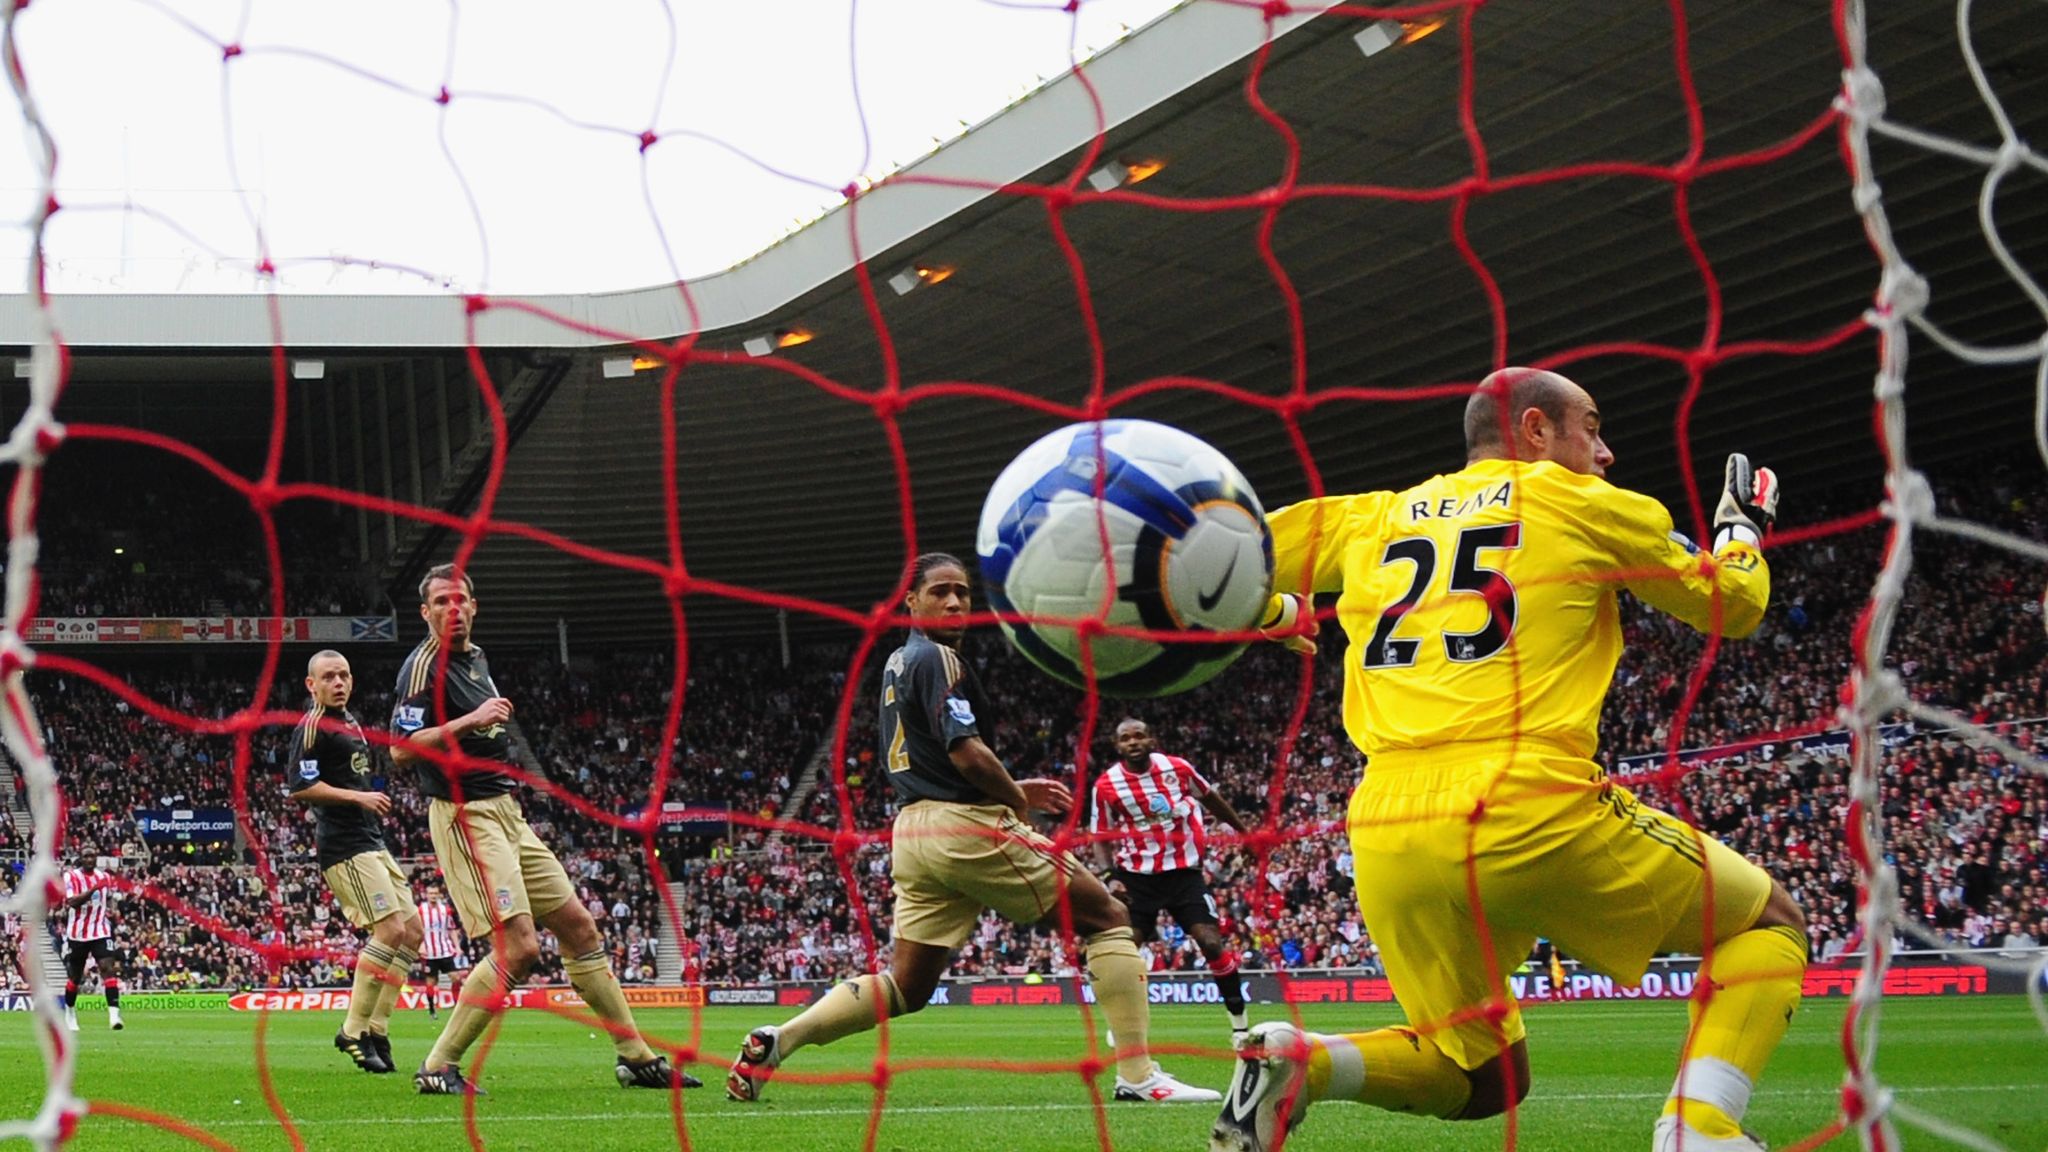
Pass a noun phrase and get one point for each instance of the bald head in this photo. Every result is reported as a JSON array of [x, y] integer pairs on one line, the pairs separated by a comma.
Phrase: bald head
[[1523, 389], [1530, 414], [328, 678]]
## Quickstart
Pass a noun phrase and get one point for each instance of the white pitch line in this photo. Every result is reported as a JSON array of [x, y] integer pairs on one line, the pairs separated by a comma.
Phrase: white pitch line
[[699, 1115]]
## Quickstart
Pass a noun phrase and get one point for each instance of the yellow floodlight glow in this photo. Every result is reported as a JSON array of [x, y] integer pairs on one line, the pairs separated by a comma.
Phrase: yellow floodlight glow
[[1413, 30], [643, 363], [935, 275], [1139, 171], [791, 337]]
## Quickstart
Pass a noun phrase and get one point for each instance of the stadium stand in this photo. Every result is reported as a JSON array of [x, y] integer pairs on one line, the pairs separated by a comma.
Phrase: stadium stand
[[1969, 833]]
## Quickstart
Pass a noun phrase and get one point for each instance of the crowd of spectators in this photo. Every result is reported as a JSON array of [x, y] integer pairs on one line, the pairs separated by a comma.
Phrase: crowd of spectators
[[594, 733], [131, 534], [1970, 640], [1967, 831]]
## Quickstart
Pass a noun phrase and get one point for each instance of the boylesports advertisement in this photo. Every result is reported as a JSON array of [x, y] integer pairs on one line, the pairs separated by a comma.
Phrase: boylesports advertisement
[[170, 825]]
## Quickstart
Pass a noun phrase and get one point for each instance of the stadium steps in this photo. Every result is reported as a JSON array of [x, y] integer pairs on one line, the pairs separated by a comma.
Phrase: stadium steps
[[17, 811], [524, 388], [668, 958], [806, 782], [53, 966]]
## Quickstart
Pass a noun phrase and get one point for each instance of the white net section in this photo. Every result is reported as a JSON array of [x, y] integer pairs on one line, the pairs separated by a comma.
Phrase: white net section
[[1878, 692]]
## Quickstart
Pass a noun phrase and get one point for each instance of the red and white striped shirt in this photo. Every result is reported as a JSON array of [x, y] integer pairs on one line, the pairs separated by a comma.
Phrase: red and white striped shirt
[[87, 921], [1154, 817], [440, 942]]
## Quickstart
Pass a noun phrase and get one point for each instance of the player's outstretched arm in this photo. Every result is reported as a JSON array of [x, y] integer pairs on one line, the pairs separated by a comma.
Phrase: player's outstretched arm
[[496, 710], [1727, 591], [1309, 542], [323, 793], [1222, 809], [1289, 621], [978, 763]]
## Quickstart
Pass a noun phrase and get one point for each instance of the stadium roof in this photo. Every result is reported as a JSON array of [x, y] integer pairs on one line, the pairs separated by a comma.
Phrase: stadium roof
[[787, 487]]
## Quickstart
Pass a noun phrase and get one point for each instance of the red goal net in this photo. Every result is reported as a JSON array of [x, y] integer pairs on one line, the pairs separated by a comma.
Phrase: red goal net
[[1500, 188]]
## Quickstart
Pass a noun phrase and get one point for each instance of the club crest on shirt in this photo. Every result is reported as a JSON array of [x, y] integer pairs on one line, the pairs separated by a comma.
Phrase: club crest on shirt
[[380, 902], [504, 896]]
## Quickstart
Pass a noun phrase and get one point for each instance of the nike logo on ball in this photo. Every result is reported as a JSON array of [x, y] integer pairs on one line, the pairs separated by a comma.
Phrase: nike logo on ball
[[1208, 599]]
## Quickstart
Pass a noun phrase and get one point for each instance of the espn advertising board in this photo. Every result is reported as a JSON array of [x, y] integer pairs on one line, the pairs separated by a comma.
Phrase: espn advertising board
[[1670, 981]]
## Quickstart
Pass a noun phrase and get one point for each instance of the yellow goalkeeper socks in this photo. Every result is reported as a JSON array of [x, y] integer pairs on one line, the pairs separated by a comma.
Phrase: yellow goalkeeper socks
[[390, 986], [591, 975], [368, 990], [848, 1008], [1397, 1069], [1118, 975], [1746, 998], [475, 1005]]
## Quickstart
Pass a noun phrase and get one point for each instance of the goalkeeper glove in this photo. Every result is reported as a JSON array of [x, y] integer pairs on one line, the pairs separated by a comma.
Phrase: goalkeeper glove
[[1282, 623], [1749, 503]]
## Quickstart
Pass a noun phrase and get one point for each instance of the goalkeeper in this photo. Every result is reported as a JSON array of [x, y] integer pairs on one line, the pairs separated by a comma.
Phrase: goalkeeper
[[1481, 608]]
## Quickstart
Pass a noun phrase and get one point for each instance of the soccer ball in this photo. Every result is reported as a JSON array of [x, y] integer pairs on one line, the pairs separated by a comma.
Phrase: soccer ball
[[1187, 539]]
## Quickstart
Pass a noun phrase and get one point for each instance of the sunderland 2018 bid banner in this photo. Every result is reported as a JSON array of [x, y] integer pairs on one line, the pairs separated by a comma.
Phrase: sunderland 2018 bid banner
[[211, 629], [561, 999], [133, 1001]]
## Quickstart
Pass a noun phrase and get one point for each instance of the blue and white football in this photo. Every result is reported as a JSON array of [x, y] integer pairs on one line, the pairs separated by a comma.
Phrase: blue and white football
[[1188, 546]]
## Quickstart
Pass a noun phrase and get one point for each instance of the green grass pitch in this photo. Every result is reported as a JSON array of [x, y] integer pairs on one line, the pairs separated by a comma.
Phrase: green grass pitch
[[1600, 1072]]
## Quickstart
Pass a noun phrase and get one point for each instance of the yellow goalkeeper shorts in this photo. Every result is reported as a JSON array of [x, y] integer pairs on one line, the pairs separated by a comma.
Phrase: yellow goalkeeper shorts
[[1467, 850]]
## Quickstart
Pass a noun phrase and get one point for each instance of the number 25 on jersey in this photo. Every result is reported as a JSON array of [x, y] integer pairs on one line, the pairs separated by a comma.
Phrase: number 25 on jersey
[[1469, 576]]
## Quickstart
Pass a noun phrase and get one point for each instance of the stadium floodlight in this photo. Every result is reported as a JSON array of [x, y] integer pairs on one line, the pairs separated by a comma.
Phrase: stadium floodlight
[[620, 367], [1110, 175], [908, 280], [309, 369], [1379, 36], [1118, 173], [1413, 30], [780, 338]]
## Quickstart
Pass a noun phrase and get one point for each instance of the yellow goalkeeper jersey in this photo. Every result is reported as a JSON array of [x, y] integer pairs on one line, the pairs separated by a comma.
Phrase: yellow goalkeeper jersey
[[1481, 605]]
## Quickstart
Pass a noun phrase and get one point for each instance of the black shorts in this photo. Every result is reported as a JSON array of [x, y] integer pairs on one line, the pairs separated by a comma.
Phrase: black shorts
[[76, 951], [1181, 892], [438, 965]]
